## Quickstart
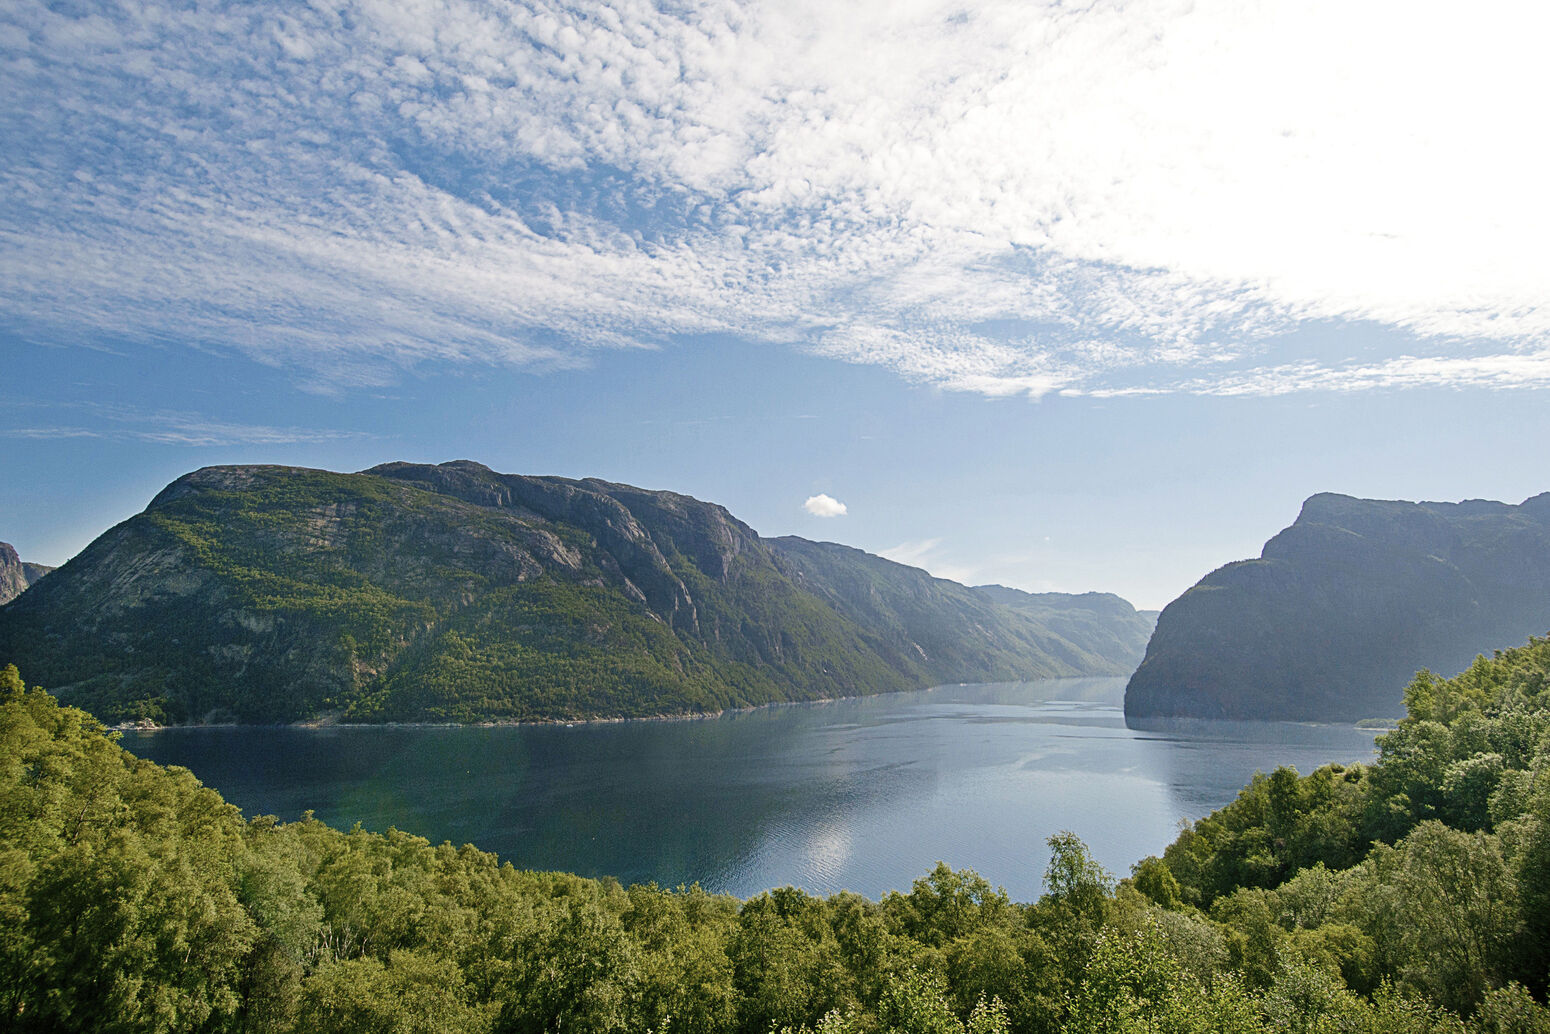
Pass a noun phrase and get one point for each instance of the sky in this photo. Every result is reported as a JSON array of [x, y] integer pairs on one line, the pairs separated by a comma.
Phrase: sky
[[1064, 296]]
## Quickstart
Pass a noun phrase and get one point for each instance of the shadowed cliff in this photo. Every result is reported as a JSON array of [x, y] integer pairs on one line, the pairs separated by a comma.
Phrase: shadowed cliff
[[1344, 606]]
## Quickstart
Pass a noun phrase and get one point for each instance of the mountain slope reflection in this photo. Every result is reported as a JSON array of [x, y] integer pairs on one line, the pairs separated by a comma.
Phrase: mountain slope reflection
[[864, 794], [1199, 758]]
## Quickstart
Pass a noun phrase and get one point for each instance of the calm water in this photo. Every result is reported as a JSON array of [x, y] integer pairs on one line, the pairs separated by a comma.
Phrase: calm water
[[865, 795]]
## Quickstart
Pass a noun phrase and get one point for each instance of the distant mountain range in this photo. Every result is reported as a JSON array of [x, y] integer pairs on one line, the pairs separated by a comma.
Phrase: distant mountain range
[[16, 574], [1343, 607], [452, 593]]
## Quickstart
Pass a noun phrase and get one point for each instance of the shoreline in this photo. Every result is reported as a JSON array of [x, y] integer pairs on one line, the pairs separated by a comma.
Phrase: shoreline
[[334, 722], [1374, 726]]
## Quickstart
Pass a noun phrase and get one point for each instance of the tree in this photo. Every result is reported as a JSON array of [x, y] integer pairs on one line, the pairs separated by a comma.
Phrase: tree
[[1444, 906], [411, 993], [1074, 878], [1135, 984]]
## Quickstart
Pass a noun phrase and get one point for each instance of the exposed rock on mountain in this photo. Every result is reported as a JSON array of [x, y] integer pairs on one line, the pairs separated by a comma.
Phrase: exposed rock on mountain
[[451, 592], [1344, 606], [16, 574]]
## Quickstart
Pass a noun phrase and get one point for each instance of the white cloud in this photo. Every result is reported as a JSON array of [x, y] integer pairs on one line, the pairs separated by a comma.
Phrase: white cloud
[[911, 554], [1012, 198], [928, 555], [166, 427], [822, 505], [50, 432]]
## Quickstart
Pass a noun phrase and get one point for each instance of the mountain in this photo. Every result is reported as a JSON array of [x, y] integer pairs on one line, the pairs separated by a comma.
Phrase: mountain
[[1101, 621], [949, 627], [453, 593], [16, 574], [1344, 606]]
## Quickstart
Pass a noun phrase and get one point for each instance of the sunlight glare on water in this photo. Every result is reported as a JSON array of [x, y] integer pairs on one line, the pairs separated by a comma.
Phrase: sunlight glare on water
[[865, 794]]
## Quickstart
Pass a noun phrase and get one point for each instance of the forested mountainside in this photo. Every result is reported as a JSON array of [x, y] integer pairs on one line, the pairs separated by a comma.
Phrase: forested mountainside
[[1411, 896], [16, 574], [453, 593], [1343, 606], [1108, 623], [913, 612]]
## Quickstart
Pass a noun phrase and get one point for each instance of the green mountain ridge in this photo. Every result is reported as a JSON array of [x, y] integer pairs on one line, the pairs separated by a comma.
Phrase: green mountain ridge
[[1345, 605], [414, 592]]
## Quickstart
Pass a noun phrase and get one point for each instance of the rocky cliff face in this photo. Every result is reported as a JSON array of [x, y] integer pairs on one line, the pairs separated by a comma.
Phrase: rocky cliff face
[[452, 592], [1343, 607], [16, 574]]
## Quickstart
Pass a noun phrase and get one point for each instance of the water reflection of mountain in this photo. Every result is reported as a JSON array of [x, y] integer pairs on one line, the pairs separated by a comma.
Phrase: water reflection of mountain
[[671, 802], [864, 794], [1204, 762]]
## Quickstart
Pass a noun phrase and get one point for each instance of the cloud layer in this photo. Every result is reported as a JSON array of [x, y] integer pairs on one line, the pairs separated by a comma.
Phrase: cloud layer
[[163, 427], [1017, 198]]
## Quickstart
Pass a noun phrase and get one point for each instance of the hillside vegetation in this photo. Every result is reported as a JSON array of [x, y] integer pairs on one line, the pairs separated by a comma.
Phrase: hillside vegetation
[[453, 593], [1344, 605], [1409, 896]]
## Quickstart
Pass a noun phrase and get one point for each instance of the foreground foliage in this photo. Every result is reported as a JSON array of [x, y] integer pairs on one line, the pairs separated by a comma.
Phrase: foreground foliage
[[1411, 895]]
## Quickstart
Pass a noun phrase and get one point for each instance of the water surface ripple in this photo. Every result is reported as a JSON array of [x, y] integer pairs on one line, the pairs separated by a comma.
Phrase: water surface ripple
[[865, 795]]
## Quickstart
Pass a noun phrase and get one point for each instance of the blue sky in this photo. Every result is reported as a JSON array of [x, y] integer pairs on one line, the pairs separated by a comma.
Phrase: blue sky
[[1063, 296]]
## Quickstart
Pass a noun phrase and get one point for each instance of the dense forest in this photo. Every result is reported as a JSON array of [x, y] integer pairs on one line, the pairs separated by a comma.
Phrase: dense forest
[[1411, 895]]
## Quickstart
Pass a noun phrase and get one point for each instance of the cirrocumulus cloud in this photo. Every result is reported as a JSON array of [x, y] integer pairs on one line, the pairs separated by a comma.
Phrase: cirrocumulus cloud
[[1013, 197]]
